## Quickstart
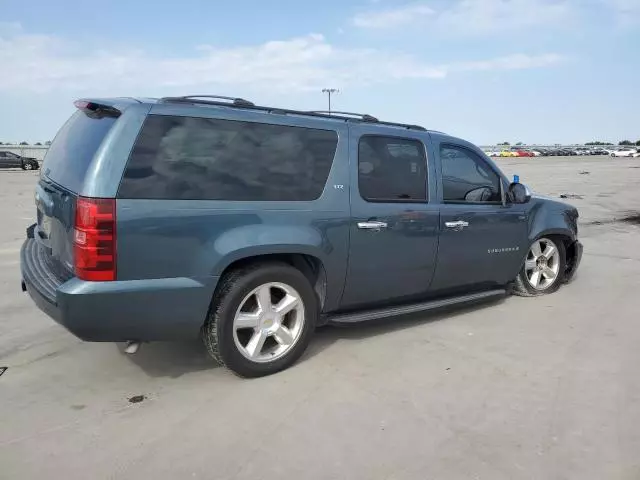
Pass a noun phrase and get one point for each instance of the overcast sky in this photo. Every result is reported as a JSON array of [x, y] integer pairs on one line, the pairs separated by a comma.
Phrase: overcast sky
[[537, 71]]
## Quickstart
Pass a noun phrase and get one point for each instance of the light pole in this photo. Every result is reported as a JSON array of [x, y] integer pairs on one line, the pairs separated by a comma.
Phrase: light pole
[[329, 92]]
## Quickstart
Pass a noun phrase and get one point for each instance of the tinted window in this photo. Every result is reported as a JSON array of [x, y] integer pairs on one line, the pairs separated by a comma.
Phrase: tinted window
[[202, 158], [466, 177], [392, 169], [72, 151]]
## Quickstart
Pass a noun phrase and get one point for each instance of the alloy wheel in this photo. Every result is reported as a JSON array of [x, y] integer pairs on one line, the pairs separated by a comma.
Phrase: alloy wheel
[[269, 322], [542, 265]]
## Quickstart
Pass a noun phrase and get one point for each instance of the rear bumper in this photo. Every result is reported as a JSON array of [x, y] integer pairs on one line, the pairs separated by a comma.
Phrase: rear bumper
[[143, 310]]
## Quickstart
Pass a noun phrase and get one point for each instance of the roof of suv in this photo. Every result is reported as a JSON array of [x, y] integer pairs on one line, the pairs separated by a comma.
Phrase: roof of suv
[[240, 103]]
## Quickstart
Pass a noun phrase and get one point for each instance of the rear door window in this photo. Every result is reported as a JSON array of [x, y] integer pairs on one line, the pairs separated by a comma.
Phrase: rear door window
[[212, 159], [392, 169], [73, 149]]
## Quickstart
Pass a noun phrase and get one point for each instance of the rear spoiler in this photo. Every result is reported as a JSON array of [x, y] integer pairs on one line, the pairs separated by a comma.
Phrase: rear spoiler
[[95, 109]]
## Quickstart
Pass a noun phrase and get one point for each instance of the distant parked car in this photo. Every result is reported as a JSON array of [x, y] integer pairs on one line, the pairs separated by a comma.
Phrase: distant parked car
[[623, 152], [13, 160], [559, 152], [523, 153], [508, 153]]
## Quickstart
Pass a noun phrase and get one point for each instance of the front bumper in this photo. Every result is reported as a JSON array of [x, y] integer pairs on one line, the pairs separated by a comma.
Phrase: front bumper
[[574, 257], [143, 310]]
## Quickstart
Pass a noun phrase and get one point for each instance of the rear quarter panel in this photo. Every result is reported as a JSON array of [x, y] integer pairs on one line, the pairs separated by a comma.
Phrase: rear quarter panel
[[200, 239]]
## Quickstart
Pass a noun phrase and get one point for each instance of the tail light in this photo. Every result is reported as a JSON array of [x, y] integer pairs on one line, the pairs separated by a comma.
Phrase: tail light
[[94, 239]]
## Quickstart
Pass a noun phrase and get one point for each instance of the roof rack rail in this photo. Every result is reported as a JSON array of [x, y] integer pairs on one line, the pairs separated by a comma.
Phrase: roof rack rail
[[239, 102], [242, 103], [363, 116]]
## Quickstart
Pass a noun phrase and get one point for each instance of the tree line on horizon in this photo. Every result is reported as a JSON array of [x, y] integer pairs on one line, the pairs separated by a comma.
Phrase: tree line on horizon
[[37, 144]]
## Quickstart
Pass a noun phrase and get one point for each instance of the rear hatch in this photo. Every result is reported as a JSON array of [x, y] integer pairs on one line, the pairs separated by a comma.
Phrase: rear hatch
[[65, 166]]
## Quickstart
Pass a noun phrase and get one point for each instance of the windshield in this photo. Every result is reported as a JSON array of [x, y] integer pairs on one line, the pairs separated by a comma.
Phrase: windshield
[[73, 149]]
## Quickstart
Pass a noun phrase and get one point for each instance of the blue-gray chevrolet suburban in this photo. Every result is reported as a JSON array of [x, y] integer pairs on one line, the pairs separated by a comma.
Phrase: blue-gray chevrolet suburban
[[249, 226]]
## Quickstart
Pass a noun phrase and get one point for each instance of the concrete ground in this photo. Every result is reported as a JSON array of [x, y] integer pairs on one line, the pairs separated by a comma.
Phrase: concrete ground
[[541, 388]]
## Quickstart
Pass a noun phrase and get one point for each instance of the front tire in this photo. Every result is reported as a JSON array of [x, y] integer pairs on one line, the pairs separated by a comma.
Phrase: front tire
[[27, 166], [261, 320], [543, 269]]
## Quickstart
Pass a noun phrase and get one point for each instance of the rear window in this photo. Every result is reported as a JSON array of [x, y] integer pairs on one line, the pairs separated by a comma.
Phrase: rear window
[[212, 159], [73, 149]]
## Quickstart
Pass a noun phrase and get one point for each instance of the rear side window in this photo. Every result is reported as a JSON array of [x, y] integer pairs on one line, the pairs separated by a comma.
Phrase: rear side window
[[73, 149], [392, 169], [212, 159]]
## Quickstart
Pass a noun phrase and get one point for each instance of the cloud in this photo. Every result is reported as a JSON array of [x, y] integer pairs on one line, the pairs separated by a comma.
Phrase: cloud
[[627, 12], [41, 63], [472, 16], [625, 7], [486, 16], [510, 62], [392, 18]]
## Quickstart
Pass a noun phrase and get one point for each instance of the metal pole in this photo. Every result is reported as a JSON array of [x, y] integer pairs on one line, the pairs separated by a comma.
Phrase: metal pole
[[329, 92]]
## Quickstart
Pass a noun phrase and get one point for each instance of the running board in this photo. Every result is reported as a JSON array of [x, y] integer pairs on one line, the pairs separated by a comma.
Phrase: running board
[[364, 316]]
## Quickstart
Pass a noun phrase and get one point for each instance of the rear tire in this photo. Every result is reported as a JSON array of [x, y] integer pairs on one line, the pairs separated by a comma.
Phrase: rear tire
[[244, 330], [543, 270]]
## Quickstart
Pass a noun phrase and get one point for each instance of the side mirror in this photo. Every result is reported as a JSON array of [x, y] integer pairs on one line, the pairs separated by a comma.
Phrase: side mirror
[[519, 193], [482, 194]]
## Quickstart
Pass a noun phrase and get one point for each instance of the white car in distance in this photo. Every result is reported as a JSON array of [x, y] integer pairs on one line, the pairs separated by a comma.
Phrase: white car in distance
[[624, 152]]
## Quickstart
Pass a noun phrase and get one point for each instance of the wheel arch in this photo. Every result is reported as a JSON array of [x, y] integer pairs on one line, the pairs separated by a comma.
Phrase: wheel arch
[[319, 254], [309, 263], [561, 233]]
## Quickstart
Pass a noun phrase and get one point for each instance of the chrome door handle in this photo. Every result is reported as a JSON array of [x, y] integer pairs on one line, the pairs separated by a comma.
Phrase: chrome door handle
[[372, 225], [459, 225]]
